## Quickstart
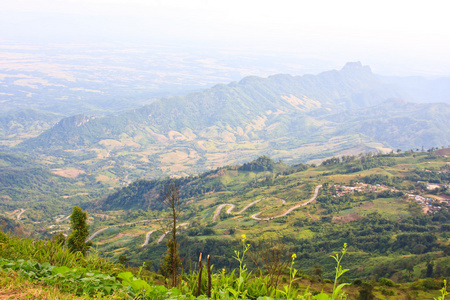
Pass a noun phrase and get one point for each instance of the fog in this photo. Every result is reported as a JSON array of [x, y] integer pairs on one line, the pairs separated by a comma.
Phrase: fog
[[393, 37]]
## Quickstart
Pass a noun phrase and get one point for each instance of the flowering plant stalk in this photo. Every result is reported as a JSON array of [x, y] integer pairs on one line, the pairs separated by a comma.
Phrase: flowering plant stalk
[[242, 266], [339, 272], [289, 292]]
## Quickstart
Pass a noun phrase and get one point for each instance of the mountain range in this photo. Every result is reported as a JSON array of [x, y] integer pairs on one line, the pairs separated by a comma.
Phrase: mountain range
[[293, 118]]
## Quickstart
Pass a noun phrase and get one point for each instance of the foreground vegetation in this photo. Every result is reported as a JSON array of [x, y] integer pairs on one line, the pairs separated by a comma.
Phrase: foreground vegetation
[[390, 208], [46, 269], [367, 201]]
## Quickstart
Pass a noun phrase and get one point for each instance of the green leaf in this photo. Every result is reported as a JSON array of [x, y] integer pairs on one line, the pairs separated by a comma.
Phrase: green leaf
[[338, 289], [60, 270], [139, 284], [233, 291], [322, 296], [125, 276]]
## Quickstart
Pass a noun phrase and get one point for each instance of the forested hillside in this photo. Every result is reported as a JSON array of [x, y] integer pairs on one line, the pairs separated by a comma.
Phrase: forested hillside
[[296, 119], [391, 209]]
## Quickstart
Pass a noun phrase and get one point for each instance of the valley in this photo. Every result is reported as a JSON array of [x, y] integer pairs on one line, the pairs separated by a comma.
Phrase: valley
[[224, 150], [310, 209], [303, 204], [302, 162], [297, 119]]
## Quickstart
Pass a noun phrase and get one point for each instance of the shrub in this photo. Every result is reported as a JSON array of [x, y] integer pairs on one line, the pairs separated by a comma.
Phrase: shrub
[[386, 282]]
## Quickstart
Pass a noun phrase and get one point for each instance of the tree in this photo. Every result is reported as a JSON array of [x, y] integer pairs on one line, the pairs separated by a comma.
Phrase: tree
[[80, 231], [316, 271], [148, 265], [170, 198], [429, 272], [123, 260], [59, 239], [366, 291]]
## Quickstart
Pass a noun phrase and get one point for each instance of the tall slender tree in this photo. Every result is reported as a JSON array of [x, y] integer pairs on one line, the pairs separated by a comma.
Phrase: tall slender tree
[[80, 231], [170, 198]]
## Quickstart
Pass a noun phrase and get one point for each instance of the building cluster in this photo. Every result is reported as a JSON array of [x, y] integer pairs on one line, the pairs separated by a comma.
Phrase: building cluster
[[341, 190], [428, 204], [433, 186]]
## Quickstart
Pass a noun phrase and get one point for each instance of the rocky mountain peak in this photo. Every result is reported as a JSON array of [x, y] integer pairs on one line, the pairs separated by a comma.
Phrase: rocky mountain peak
[[356, 66]]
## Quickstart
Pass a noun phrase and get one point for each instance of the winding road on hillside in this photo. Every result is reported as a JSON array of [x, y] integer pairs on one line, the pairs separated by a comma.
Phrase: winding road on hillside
[[165, 233], [215, 217], [316, 192], [255, 216], [147, 237], [118, 225], [20, 214], [61, 218], [232, 206]]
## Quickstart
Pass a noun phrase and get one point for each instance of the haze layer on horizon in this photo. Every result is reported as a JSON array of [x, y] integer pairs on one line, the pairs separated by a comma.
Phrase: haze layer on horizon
[[393, 37]]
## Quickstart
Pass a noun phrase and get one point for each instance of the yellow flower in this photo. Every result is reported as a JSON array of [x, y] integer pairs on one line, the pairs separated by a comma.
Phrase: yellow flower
[[294, 256], [244, 237]]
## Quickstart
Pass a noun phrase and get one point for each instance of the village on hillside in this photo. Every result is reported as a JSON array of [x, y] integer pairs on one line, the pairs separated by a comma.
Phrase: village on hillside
[[430, 203]]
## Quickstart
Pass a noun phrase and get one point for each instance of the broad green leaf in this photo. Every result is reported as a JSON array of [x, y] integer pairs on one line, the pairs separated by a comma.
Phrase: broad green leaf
[[139, 284], [60, 270], [322, 296], [338, 289], [125, 276]]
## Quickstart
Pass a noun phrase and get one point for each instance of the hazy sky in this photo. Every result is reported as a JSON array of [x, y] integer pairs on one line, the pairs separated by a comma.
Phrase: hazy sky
[[393, 37]]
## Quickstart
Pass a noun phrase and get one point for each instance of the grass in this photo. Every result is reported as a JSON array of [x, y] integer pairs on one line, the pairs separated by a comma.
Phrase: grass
[[306, 234], [14, 286], [27, 280], [285, 187], [347, 211], [388, 207]]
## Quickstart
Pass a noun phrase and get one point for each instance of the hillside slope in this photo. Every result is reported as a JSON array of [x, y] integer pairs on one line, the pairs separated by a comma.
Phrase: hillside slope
[[297, 119], [392, 210], [239, 109]]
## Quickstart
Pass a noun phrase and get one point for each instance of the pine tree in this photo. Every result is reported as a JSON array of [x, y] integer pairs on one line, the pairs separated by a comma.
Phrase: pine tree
[[80, 231], [171, 262]]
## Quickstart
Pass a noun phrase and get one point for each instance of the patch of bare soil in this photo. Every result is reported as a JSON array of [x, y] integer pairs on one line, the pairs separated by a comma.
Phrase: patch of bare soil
[[119, 235], [367, 205], [348, 218], [445, 151], [70, 173], [312, 217], [8, 295], [103, 216]]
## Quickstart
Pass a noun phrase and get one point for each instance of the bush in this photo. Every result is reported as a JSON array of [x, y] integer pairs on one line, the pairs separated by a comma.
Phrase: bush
[[357, 282], [386, 282], [426, 284]]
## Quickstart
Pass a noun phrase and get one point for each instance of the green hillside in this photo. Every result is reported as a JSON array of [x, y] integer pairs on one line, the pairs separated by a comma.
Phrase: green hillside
[[296, 119], [391, 209], [366, 201], [399, 123], [256, 102], [19, 125], [32, 194]]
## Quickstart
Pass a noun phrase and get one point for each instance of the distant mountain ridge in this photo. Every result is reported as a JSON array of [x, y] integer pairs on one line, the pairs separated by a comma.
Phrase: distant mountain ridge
[[22, 124], [283, 116], [234, 105]]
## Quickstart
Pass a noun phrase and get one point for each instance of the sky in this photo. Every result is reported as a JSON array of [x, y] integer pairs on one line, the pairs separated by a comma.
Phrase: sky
[[394, 37]]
